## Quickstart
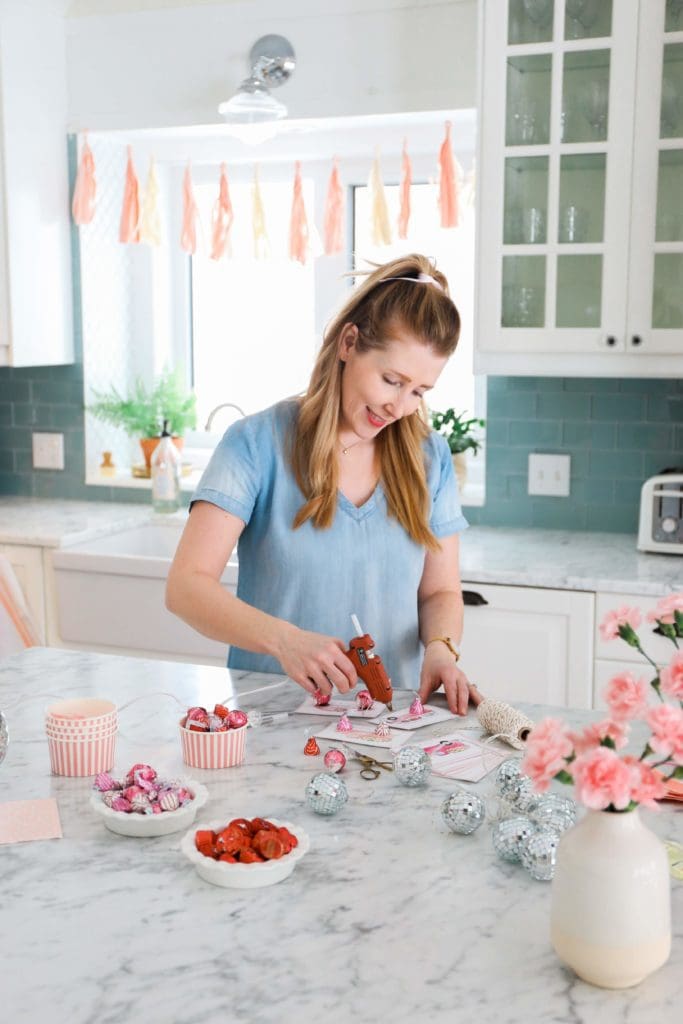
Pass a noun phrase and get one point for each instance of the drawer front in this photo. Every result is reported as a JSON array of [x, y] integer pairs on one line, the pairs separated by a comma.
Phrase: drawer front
[[659, 648]]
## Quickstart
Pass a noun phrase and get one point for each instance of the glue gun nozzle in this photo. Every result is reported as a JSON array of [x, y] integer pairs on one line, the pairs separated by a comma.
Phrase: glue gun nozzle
[[389, 706]]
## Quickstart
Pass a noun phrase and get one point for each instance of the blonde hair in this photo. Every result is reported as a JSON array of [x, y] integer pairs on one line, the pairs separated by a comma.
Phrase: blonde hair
[[380, 302]]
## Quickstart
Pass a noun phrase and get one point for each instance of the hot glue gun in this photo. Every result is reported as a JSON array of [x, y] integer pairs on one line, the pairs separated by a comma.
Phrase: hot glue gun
[[369, 666]]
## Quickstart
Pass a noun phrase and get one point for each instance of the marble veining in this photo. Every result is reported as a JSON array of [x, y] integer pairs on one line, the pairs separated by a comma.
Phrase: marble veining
[[54, 523], [389, 918]]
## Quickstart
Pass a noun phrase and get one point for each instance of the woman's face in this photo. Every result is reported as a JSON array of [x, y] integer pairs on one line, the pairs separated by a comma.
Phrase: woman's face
[[383, 385]]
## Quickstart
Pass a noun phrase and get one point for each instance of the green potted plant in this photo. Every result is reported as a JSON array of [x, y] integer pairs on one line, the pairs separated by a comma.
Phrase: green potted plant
[[143, 411], [461, 433]]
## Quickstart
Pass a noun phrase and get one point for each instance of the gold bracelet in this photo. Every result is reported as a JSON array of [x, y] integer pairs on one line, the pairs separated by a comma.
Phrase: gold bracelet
[[448, 642]]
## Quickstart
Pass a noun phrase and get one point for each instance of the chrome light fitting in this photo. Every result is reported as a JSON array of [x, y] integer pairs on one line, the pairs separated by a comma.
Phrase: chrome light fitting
[[272, 60]]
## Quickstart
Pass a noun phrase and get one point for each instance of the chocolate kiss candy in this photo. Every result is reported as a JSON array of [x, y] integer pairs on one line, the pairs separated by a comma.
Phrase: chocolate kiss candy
[[312, 747]]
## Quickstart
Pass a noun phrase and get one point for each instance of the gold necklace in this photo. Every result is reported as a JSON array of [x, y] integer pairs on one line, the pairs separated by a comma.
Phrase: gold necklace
[[345, 450]]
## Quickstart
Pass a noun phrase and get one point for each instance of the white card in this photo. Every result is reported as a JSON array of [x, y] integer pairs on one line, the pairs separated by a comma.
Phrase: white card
[[404, 720], [361, 734], [456, 756], [336, 708]]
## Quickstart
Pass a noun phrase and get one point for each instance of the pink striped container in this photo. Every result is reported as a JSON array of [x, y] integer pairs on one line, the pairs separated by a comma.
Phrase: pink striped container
[[77, 758], [81, 714], [81, 733], [213, 749]]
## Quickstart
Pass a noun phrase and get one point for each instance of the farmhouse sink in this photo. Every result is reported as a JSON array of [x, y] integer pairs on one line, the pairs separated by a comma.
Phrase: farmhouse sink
[[110, 595]]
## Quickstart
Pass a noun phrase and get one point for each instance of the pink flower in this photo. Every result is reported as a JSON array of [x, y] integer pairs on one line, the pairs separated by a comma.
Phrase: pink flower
[[626, 696], [593, 735], [647, 785], [547, 748], [665, 608], [609, 627], [601, 779], [671, 677], [666, 723]]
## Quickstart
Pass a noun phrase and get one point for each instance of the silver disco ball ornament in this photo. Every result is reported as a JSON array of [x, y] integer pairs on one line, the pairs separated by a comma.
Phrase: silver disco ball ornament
[[519, 794], [557, 813], [507, 771], [539, 854], [463, 811], [326, 794], [4, 737], [510, 836], [412, 766]]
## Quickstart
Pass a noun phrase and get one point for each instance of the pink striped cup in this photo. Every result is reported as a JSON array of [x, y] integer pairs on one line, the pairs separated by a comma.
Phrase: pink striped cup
[[81, 734], [213, 749], [79, 758], [81, 712]]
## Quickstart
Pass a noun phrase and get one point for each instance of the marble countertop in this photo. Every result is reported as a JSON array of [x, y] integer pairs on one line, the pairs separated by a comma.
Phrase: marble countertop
[[54, 523], [388, 918]]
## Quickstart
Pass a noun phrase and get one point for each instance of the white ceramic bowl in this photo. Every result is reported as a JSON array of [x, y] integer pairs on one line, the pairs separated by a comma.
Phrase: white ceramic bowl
[[143, 825], [244, 876]]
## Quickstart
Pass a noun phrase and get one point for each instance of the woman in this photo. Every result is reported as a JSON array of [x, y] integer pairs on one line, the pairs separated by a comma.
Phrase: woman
[[341, 502]]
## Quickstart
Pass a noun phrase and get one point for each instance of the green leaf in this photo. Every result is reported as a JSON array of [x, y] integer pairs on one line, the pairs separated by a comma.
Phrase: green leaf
[[143, 411], [457, 428], [564, 776]]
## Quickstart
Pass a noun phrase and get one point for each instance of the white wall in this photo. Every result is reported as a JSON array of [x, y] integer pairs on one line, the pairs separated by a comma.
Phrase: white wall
[[173, 66]]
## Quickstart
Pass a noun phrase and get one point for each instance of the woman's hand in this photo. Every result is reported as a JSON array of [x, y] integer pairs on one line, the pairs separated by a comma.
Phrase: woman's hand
[[316, 662], [440, 668]]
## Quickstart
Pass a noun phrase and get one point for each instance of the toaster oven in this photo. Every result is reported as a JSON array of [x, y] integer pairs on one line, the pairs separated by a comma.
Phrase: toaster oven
[[660, 526]]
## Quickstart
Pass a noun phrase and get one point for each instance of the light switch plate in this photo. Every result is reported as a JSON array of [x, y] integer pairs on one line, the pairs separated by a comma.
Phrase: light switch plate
[[48, 451], [549, 474]]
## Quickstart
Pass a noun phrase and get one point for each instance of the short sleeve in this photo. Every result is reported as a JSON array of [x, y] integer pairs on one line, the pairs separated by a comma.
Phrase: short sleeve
[[232, 478], [446, 514]]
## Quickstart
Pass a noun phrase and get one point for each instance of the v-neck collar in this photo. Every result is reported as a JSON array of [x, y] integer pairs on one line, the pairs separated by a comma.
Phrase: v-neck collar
[[358, 512]]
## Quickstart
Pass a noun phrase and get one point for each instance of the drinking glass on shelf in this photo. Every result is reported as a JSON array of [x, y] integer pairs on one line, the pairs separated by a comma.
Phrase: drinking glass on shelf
[[520, 305], [670, 110], [582, 15], [524, 119], [594, 100], [673, 14], [573, 224], [538, 11]]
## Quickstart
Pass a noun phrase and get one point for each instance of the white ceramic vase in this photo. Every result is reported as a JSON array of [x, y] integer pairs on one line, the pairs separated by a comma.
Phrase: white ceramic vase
[[611, 900], [459, 460]]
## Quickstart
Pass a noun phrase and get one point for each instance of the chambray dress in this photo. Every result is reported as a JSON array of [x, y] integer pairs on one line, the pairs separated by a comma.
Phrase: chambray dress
[[364, 564]]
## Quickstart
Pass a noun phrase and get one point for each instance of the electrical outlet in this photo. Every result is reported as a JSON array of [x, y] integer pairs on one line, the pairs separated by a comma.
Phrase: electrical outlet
[[48, 451], [549, 474]]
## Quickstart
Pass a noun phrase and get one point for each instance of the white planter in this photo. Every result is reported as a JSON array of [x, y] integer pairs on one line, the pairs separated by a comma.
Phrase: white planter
[[611, 900], [459, 460]]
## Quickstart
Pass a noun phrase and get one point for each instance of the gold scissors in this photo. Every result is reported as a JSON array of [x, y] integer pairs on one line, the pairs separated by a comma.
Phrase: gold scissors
[[371, 768]]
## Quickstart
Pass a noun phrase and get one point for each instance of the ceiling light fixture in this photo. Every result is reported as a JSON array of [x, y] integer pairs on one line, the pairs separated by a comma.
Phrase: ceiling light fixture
[[272, 61]]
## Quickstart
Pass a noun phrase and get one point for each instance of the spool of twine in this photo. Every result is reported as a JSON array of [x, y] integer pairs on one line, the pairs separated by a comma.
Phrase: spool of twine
[[504, 722]]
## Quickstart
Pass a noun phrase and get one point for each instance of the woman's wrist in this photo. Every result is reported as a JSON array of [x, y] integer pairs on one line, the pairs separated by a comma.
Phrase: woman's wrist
[[447, 642]]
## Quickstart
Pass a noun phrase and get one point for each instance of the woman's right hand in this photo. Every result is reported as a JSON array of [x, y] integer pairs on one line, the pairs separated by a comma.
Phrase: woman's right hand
[[315, 661]]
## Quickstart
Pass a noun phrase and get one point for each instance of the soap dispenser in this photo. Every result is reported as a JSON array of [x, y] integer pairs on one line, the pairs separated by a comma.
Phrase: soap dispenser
[[165, 474]]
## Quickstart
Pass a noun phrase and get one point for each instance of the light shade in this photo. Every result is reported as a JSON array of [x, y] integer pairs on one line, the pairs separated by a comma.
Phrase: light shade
[[252, 104]]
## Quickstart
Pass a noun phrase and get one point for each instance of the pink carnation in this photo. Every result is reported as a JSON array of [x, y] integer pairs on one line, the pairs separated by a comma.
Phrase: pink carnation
[[626, 696], [609, 627], [671, 677], [665, 608], [593, 735], [601, 779], [547, 748], [666, 723], [647, 785]]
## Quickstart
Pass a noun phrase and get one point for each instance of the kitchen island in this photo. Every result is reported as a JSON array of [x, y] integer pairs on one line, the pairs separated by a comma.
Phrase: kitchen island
[[389, 918]]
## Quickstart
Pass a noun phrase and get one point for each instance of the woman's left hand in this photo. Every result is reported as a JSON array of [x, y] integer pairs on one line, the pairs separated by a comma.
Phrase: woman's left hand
[[440, 668]]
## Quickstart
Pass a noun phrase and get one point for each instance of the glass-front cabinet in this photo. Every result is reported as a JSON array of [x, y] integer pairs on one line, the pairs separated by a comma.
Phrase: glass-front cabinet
[[580, 198]]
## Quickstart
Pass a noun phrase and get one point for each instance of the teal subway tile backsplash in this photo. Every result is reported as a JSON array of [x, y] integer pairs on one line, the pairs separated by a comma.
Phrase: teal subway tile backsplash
[[617, 432]]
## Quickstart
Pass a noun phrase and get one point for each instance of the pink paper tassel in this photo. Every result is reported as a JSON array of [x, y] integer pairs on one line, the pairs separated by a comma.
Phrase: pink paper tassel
[[130, 211], [448, 183], [298, 225], [261, 243], [380, 231], [83, 202], [221, 219], [188, 235], [334, 214], [406, 182]]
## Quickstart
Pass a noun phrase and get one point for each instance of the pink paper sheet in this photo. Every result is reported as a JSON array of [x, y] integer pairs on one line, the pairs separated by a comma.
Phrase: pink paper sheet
[[24, 820]]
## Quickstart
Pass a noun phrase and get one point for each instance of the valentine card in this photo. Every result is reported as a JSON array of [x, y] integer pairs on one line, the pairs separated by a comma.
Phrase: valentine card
[[336, 708], [456, 756], [360, 734], [406, 719]]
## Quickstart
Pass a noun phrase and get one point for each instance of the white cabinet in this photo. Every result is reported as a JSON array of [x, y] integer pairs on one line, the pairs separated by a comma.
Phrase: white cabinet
[[580, 219], [27, 563], [35, 258], [530, 644]]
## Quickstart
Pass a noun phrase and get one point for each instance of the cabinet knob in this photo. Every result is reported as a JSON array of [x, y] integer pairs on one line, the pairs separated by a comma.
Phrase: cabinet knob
[[636, 340], [611, 340], [473, 598]]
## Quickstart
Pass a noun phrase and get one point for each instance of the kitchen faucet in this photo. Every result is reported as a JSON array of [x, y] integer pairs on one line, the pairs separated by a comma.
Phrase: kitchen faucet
[[223, 405]]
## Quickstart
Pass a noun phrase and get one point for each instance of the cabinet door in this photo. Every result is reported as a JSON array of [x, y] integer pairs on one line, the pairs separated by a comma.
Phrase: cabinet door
[[655, 310], [27, 563], [658, 647], [558, 84], [530, 644]]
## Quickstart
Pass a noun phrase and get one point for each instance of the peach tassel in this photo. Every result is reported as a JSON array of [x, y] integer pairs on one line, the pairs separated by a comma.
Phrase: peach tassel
[[379, 214], [448, 183], [130, 211], [83, 203], [150, 222], [334, 213], [221, 219], [188, 235], [298, 225], [406, 182], [261, 244]]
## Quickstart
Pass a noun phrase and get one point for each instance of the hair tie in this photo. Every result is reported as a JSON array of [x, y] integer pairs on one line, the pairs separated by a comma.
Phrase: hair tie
[[420, 279]]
